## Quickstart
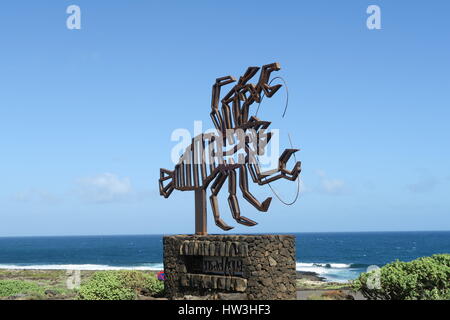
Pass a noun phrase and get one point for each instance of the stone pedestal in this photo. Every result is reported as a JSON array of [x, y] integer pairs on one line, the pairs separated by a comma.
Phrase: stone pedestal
[[254, 267]]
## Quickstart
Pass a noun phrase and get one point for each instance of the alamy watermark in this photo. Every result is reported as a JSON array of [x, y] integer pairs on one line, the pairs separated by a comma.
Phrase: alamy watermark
[[374, 277], [73, 280], [374, 20], [234, 146], [73, 22]]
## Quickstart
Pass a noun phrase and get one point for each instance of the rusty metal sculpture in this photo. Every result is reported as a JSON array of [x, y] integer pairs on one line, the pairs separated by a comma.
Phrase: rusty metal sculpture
[[205, 160]]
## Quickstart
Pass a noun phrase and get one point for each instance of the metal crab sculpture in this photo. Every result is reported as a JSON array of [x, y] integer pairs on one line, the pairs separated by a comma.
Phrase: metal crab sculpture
[[209, 158]]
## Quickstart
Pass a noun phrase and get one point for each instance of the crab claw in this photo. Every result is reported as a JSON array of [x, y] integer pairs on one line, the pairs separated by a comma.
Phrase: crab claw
[[285, 156], [222, 225]]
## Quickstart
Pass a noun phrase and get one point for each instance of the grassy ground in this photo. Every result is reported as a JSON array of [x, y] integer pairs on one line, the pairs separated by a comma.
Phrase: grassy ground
[[308, 289], [43, 284], [305, 284], [34, 285]]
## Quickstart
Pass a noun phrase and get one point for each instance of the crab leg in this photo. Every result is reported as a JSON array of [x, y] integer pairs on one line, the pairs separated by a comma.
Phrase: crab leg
[[216, 117], [262, 178], [243, 184], [264, 79], [233, 202], [215, 189]]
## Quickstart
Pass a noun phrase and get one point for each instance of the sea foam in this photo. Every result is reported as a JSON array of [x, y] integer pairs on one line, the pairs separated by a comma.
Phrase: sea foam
[[90, 267]]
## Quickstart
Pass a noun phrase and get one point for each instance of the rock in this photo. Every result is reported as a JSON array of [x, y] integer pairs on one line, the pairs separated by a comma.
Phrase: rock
[[190, 297], [149, 298], [232, 296], [266, 282], [222, 249], [51, 293], [240, 285], [19, 296], [145, 292], [290, 287], [272, 262]]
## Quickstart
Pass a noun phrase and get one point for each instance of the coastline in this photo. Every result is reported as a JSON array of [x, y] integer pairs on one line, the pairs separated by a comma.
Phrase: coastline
[[53, 285], [310, 276], [312, 271], [330, 255], [312, 286]]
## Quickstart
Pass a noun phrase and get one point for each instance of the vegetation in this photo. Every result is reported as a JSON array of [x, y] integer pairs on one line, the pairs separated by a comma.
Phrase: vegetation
[[119, 285], [140, 281], [426, 278], [106, 286], [43, 275], [305, 284], [15, 287], [34, 284], [51, 284]]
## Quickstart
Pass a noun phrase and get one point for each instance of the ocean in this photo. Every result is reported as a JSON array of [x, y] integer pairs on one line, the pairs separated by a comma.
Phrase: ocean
[[334, 256]]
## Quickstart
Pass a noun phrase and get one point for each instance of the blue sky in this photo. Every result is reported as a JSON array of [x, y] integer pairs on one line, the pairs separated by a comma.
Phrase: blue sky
[[86, 115]]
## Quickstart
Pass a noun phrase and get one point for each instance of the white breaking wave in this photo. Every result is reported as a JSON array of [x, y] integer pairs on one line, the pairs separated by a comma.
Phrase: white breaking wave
[[89, 267], [323, 265], [336, 272]]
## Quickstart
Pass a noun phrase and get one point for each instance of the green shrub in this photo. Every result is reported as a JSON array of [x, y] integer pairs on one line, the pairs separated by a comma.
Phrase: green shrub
[[155, 286], [132, 279], [138, 280], [14, 287], [426, 278], [119, 285], [105, 285]]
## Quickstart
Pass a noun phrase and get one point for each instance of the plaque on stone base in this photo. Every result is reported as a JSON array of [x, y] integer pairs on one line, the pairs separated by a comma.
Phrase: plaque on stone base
[[254, 267]]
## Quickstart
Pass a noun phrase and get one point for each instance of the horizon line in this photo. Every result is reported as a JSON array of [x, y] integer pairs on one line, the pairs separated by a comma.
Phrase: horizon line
[[219, 234]]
